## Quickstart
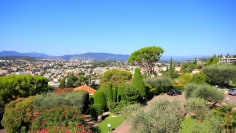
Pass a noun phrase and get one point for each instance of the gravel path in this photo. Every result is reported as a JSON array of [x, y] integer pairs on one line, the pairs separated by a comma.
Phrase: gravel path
[[125, 126]]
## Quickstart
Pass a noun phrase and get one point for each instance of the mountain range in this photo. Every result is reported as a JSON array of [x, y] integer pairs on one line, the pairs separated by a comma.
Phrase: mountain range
[[94, 56]]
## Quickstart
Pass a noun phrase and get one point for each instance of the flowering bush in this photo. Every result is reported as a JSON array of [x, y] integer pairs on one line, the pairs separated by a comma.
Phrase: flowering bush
[[69, 129], [59, 119]]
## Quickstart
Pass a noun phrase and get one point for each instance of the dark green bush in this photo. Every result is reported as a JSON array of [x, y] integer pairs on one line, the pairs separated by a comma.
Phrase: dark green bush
[[77, 99], [95, 110], [99, 98], [114, 93], [18, 115], [159, 85], [120, 93], [137, 82], [14, 86]]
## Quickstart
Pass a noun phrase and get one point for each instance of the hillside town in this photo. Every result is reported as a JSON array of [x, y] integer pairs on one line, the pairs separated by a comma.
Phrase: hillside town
[[55, 69]]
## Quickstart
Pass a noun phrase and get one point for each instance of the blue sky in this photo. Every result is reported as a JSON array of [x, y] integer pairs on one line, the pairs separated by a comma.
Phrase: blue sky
[[59, 27]]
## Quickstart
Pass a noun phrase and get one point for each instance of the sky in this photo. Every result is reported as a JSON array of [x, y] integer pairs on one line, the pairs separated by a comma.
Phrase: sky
[[61, 27]]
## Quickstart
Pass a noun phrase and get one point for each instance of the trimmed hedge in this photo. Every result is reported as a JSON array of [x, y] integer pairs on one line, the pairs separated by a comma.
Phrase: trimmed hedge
[[95, 110], [77, 99], [99, 98]]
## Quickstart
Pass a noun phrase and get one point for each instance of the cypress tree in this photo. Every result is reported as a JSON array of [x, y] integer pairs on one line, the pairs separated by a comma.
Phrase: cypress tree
[[137, 82], [215, 60], [120, 93], [110, 93], [99, 98], [114, 92]]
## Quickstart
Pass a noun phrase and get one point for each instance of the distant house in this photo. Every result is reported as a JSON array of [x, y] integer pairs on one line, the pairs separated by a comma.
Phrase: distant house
[[195, 71], [85, 88], [227, 60]]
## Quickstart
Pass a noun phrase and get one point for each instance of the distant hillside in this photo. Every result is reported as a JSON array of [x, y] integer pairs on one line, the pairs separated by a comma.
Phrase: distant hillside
[[96, 56], [32, 59], [14, 53]]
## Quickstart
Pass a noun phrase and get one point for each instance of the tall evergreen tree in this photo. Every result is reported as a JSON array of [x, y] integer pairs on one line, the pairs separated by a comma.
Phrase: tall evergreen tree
[[99, 98], [171, 69], [215, 60], [110, 93], [137, 82]]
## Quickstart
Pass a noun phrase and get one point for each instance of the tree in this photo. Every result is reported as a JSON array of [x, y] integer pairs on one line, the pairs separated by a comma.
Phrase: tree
[[171, 70], [162, 117], [145, 57], [200, 78], [18, 115], [130, 94], [184, 79], [159, 85], [137, 82], [114, 77], [204, 91], [21, 86], [220, 74], [99, 98], [215, 60], [110, 93], [198, 107]]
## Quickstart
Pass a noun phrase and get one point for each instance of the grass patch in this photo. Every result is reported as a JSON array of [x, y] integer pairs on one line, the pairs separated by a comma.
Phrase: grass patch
[[114, 121], [188, 124]]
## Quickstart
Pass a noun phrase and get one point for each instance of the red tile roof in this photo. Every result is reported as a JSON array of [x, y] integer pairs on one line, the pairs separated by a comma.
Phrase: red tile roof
[[85, 88]]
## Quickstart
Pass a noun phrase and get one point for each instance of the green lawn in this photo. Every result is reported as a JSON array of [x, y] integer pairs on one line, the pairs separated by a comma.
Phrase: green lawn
[[187, 124], [114, 121]]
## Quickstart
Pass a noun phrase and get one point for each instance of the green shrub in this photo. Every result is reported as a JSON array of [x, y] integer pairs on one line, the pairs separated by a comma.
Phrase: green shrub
[[149, 93], [110, 93], [95, 110], [61, 116], [13, 87], [137, 82], [99, 98], [77, 99], [159, 85], [18, 115], [114, 93], [130, 94], [178, 87], [204, 91], [120, 93]]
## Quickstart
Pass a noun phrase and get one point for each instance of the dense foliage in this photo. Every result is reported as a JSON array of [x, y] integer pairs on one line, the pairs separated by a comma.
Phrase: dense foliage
[[138, 83], [17, 115], [159, 85], [145, 57], [130, 94], [77, 99], [200, 78], [74, 80], [204, 91], [220, 74], [162, 117], [227, 116], [58, 119], [16, 86], [197, 107], [95, 110], [99, 98], [114, 77]]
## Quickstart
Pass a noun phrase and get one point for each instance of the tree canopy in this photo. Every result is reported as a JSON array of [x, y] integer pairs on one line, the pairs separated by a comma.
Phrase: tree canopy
[[21, 86], [114, 77], [145, 57], [220, 74]]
